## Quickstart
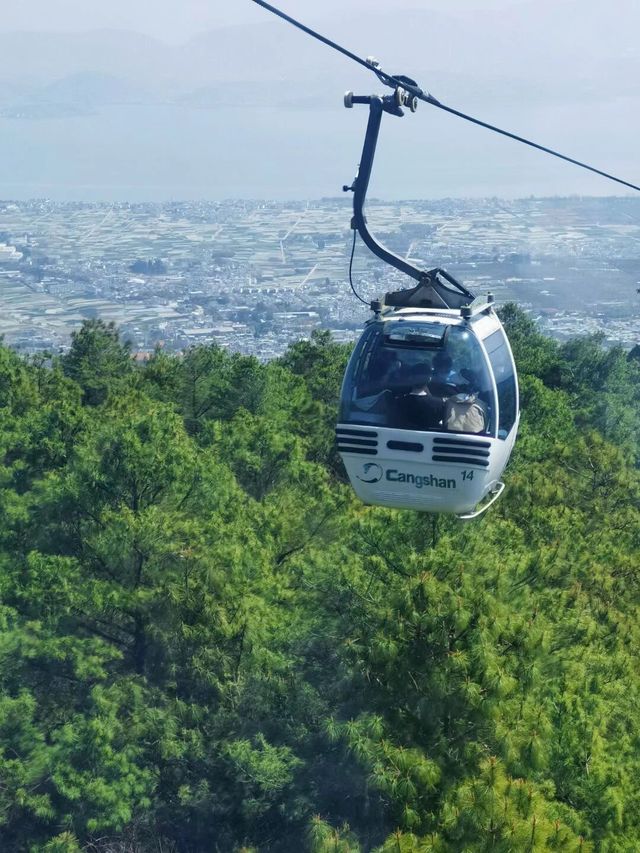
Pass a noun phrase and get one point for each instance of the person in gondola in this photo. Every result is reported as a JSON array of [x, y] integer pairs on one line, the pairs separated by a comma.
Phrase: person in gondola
[[465, 411], [421, 408], [445, 380]]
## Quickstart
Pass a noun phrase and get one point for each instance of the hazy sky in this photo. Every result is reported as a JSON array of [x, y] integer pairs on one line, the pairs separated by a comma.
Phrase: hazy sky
[[171, 21], [180, 19], [563, 72]]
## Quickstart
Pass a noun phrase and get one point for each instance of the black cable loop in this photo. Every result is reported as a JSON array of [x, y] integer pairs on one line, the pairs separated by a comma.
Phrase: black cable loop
[[353, 251]]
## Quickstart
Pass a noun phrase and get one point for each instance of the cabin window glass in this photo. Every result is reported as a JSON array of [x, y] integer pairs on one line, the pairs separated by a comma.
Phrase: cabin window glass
[[359, 364], [406, 375], [415, 334], [503, 369]]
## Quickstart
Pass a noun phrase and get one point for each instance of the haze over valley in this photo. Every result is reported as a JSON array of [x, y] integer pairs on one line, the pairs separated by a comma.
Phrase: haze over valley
[[255, 110], [254, 277]]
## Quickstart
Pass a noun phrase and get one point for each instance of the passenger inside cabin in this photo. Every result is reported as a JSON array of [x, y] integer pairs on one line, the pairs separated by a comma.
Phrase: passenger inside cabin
[[420, 408], [383, 373], [445, 379], [465, 413], [408, 386]]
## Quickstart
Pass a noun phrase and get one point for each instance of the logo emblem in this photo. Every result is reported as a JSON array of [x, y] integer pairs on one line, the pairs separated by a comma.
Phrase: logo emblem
[[372, 473]]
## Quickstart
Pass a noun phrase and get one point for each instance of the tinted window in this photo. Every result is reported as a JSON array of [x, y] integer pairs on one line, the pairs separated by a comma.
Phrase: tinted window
[[502, 366], [403, 375], [429, 335]]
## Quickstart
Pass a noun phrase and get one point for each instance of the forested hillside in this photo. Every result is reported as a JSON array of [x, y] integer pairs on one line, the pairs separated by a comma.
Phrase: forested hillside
[[208, 644]]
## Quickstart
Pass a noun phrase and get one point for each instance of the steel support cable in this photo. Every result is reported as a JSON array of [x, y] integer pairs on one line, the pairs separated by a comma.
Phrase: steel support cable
[[413, 89], [313, 33]]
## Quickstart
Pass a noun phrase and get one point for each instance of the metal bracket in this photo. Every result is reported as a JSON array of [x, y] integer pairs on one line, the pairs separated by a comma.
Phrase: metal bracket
[[495, 494]]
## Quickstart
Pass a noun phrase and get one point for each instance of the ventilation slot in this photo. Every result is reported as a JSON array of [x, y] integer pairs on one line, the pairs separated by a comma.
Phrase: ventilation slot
[[462, 460], [409, 446], [362, 441], [461, 442], [365, 451], [462, 451]]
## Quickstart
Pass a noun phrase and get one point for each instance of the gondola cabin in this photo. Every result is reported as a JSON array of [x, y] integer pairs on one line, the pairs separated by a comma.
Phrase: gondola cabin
[[429, 406], [429, 409]]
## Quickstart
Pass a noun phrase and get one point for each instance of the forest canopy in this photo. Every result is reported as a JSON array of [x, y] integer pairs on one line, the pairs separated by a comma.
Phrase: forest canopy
[[208, 643]]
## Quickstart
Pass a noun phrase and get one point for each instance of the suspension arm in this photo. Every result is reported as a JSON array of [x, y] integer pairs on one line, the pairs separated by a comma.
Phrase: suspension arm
[[360, 186], [377, 107]]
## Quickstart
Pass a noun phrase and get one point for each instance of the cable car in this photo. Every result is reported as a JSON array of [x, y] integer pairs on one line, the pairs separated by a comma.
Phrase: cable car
[[429, 406], [429, 411]]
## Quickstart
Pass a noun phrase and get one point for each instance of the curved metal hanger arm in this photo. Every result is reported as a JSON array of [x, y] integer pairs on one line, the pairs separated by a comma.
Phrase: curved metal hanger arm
[[377, 106], [361, 185]]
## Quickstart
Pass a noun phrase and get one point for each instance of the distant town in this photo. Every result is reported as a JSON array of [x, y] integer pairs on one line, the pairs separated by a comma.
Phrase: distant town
[[255, 276]]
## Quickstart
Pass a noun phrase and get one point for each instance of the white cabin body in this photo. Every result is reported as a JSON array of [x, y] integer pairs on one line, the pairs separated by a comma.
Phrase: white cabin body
[[429, 409]]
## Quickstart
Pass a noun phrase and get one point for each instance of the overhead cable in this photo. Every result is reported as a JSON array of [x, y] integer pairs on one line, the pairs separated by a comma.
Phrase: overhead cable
[[410, 86]]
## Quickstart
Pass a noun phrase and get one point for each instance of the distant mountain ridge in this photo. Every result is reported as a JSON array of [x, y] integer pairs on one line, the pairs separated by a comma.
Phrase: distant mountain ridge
[[562, 73], [432, 46]]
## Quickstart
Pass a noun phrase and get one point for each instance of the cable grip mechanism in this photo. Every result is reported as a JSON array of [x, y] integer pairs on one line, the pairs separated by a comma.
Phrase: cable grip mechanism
[[390, 103]]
